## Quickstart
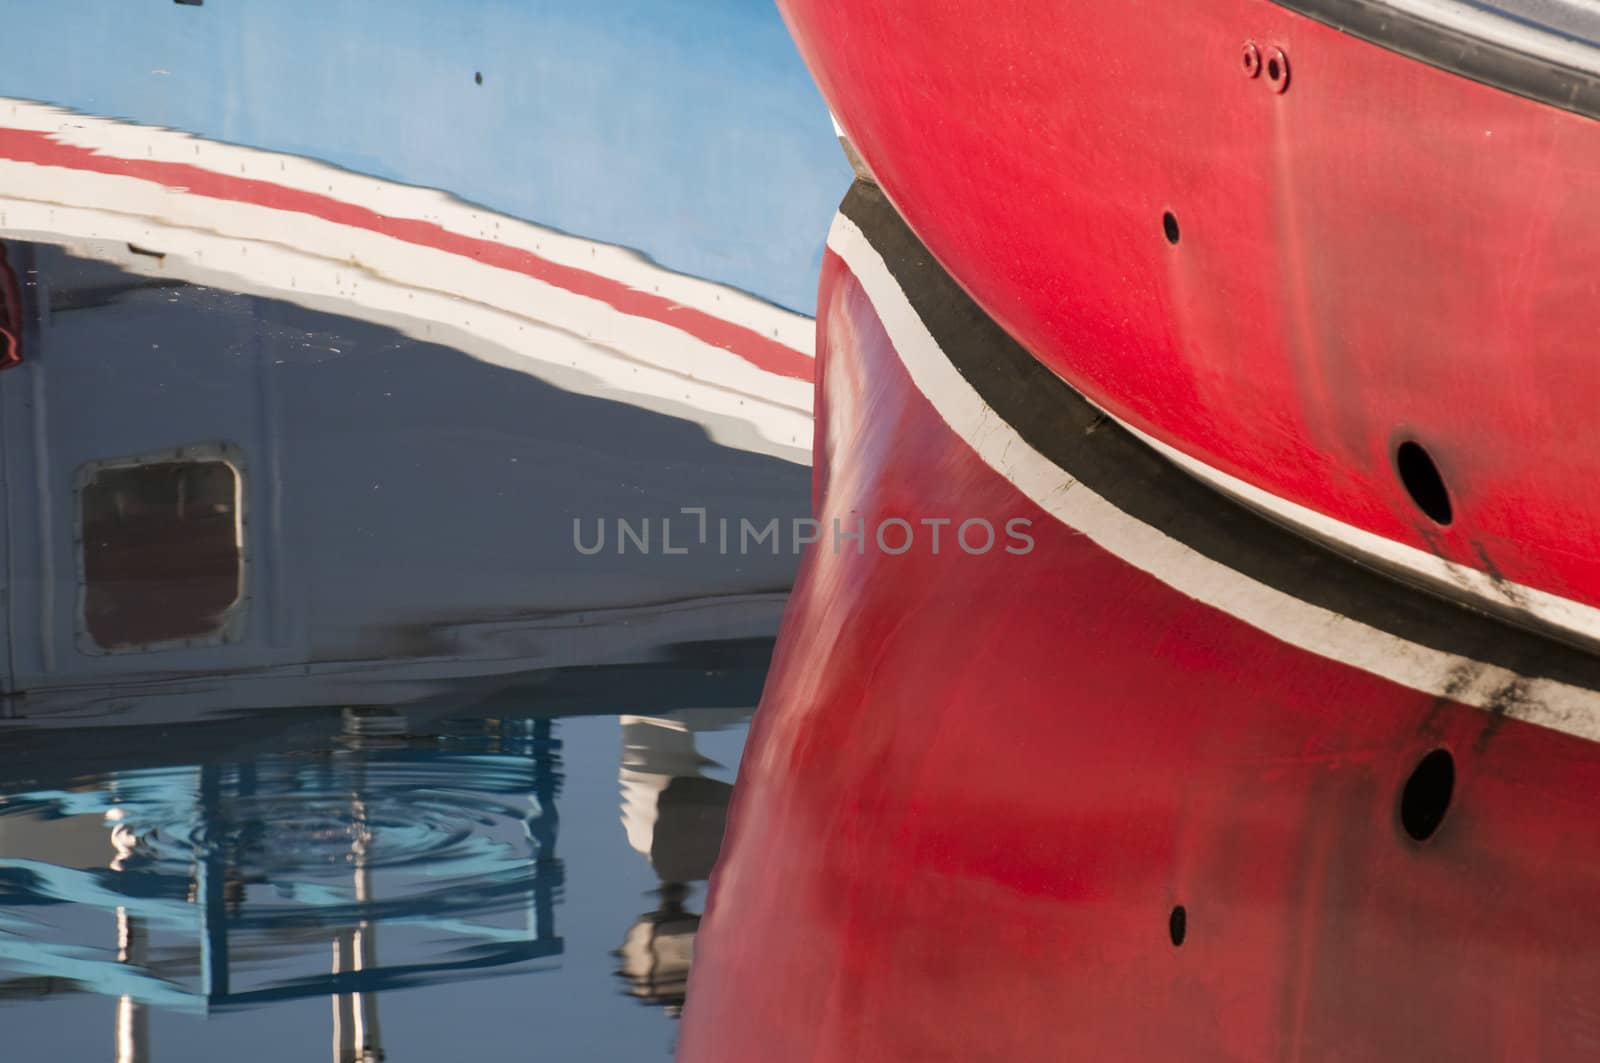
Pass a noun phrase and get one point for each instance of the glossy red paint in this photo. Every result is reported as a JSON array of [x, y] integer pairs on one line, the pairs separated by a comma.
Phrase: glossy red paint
[[1384, 251], [978, 786]]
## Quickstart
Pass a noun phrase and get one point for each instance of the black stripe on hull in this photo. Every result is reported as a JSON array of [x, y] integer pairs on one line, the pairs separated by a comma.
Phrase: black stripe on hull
[[1500, 64], [1093, 449]]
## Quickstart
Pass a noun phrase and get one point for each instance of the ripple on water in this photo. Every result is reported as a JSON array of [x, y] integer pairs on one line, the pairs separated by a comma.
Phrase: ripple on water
[[314, 839]]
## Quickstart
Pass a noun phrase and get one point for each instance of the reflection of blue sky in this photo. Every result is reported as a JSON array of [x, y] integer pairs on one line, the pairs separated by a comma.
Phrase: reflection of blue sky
[[688, 129]]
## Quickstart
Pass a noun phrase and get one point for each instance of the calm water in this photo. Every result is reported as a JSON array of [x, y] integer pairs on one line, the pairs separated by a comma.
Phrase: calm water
[[402, 894], [324, 741]]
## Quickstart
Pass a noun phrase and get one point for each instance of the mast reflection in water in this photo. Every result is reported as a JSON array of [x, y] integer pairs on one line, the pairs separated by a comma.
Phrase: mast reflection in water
[[312, 700]]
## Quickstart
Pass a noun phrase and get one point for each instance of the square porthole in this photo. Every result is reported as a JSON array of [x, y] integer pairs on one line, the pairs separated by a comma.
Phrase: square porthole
[[161, 550]]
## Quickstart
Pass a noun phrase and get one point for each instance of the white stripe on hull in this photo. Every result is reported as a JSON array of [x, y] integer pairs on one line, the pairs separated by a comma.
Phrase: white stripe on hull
[[499, 315], [1546, 702], [128, 140], [1474, 587]]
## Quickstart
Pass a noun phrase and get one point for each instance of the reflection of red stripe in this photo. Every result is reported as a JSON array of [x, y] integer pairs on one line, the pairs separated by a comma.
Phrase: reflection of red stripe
[[760, 351]]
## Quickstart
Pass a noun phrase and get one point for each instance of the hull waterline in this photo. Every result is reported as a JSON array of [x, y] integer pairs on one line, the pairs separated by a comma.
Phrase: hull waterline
[[1349, 281]]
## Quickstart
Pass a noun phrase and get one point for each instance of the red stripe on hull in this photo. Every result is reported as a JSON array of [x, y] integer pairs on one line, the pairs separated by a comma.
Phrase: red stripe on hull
[[763, 352], [1385, 251], [977, 787]]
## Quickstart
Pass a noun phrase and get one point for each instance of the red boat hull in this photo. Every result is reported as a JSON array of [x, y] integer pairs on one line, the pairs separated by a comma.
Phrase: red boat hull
[[980, 784], [1382, 252]]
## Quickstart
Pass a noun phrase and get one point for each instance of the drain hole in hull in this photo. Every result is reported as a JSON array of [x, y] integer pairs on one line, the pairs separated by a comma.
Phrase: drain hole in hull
[[1169, 225], [1426, 797], [1421, 479]]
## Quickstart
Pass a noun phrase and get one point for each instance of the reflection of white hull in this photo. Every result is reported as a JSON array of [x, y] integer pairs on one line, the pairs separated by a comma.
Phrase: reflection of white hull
[[485, 650], [674, 816], [656, 750], [592, 320], [589, 319], [745, 377]]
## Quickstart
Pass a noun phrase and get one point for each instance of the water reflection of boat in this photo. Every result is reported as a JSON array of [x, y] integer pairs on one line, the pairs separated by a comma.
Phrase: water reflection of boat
[[701, 143], [357, 544], [591, 317], [413, 846], [319, 298], [674, 815], [206, 464], [303, 391], [225, 879], [1167, 781]]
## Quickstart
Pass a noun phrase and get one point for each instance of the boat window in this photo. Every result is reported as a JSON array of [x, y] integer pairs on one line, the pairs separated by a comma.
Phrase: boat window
[[163, 557]]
